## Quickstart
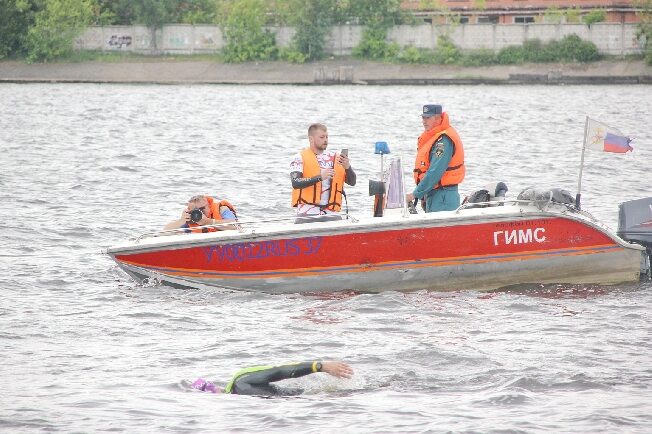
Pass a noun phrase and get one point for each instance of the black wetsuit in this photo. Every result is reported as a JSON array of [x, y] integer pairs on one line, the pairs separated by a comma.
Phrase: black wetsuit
[[257, 382]]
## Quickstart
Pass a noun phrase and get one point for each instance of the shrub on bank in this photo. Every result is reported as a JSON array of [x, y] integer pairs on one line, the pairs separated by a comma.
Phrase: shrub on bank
[[411, 55], [292, 55], [482, 57], [446, 53], [569, 49], [510, 56], [374, 45], [573, 49]]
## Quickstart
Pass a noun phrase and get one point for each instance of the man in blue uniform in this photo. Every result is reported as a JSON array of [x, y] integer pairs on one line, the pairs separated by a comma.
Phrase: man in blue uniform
[[439, 165]]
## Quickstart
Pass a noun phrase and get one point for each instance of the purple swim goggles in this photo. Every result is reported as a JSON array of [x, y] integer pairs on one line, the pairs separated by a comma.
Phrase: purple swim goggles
[[204, 386]]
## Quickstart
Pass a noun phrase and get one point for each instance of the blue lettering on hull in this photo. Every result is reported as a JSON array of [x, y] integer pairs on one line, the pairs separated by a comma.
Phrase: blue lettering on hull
[[263, 249]]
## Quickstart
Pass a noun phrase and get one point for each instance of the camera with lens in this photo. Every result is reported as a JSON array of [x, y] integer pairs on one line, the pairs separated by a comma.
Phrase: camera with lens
[[196, 215]]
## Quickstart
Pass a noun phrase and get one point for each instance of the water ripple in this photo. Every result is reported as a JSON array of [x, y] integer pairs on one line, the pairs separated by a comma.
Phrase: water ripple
[[85, 349]]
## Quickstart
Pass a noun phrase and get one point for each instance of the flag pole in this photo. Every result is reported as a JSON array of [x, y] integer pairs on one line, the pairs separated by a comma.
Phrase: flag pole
[[579, 181]]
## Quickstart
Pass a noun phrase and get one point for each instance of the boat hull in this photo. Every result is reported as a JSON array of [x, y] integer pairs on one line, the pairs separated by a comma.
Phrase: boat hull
[[478, 250]]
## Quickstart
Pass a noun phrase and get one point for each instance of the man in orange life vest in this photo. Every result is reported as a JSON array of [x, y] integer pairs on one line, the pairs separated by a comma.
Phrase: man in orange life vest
[[439, 165], [318, 178], [213, 212]]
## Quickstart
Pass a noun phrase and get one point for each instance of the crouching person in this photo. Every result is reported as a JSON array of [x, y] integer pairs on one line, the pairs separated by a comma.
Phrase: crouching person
[[202, 213]]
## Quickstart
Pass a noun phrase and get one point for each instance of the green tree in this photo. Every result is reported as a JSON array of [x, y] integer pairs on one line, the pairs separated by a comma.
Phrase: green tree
[[197, 11], [55, 28], [595, 16], [119, 12], [376, 12], [155, 13], [430, 5], [151, 13], [312, 21], [243, 27], [15, 18], [573, 14], [553, 15], [377, 16], [644, 31]]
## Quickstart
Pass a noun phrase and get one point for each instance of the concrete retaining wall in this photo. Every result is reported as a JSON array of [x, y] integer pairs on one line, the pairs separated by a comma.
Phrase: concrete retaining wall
[[610, 38]]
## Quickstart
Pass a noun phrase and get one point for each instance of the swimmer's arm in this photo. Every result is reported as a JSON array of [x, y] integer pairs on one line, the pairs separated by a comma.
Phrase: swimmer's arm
[[278, 373], [284, 372]]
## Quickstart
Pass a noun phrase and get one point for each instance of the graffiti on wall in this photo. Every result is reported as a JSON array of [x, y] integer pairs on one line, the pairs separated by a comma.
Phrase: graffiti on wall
[[206, 39], [178, 41], [119, 41]]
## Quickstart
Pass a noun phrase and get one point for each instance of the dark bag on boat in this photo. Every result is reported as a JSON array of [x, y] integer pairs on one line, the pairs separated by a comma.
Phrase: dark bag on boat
[[478, 196], [493, 193]]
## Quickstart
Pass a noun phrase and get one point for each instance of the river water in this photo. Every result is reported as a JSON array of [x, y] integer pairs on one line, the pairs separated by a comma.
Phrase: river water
[[85, 349]]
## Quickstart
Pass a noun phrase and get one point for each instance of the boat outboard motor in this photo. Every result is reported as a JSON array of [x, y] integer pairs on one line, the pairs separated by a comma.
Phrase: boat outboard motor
[[635, 226]]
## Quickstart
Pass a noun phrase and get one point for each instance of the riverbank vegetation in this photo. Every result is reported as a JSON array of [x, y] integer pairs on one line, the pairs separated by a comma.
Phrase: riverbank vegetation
[[44, 30], [645, 28], [569, 49]]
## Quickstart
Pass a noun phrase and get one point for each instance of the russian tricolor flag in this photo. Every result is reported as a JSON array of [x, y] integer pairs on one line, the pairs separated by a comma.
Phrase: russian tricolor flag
[[602, 137], [614, 143]]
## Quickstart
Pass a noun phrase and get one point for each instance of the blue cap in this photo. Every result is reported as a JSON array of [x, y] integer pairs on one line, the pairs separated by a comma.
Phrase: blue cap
[[431, 110]]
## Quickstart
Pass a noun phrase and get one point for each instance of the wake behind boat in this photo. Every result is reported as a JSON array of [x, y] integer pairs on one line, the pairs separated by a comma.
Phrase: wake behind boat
[[480, 246]]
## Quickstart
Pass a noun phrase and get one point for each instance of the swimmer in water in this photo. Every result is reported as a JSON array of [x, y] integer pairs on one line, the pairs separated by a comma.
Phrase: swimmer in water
[[257, 380]]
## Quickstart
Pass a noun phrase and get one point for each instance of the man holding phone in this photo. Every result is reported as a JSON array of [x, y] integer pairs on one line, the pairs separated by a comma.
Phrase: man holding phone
[[318, 177]]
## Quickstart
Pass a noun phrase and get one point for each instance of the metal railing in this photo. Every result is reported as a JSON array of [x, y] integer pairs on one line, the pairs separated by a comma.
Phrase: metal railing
[[241, 225]]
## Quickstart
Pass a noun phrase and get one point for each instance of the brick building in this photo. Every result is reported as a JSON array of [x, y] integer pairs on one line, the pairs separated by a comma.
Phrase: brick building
[[519, 11]]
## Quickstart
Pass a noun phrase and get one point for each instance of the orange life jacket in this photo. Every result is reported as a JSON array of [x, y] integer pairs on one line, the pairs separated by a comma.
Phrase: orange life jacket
[[455, 171], [312, 194], [214, 207]]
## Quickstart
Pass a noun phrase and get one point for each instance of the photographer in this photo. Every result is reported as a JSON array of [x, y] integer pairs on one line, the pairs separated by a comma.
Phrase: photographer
[[205, 211]]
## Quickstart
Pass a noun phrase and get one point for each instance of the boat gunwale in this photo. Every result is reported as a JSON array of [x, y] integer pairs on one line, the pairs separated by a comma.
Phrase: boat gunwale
[[459, 217]]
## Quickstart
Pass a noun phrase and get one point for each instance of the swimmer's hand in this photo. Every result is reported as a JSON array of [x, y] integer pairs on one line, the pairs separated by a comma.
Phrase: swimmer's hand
[[337, 369]]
